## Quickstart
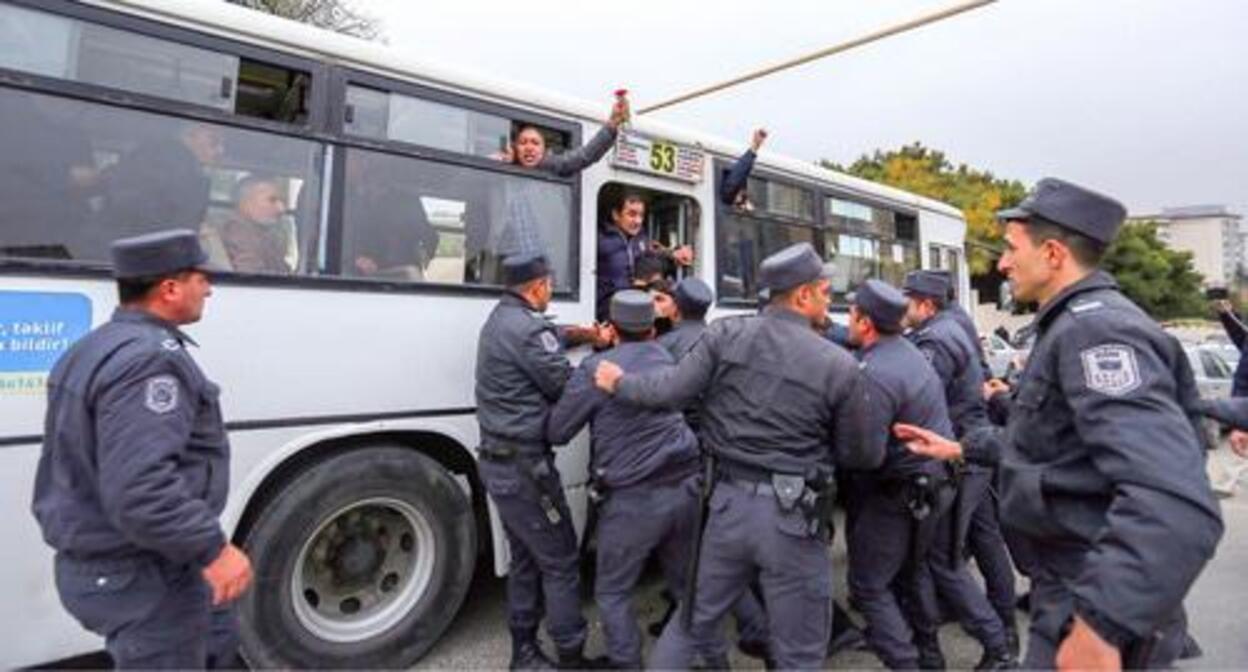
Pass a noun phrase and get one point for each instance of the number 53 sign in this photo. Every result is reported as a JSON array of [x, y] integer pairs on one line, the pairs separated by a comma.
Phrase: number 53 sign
[[658, 157]]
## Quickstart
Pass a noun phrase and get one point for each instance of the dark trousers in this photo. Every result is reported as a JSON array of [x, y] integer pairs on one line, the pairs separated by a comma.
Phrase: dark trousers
[[544, 577], [887, 549], [633, 523], [747, 535], [987, 546], [1052, 607], [151, 613], [949, 580]]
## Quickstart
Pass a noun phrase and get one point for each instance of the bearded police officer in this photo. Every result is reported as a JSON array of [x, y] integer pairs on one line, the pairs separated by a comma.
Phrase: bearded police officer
[[135, 471], [1103, 466], [521, 371], [896, 506], [781, 408], [954, 357], [644, 463]]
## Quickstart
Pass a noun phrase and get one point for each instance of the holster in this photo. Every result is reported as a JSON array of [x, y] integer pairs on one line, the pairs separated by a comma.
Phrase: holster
[[596, 494], [818, 497]]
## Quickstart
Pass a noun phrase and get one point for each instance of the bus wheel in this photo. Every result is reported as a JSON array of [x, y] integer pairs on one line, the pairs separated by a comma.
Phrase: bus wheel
[[360, 561]]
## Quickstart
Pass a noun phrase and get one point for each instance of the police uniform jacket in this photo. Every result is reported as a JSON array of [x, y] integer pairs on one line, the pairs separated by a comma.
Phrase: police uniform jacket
[[955, 359], [967, 325], [135, 457], [776, 395], [631, 444], [903, 388], [681, 339], [521, 371], [1104, 467]]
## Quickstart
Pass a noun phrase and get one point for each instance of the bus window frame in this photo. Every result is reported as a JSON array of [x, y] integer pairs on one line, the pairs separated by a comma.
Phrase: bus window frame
[[318, 72], [721, 167], [343, 77], [862, 199]]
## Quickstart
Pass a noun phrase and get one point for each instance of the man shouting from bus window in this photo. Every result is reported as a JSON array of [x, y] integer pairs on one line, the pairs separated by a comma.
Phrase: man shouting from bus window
[[135, 472]]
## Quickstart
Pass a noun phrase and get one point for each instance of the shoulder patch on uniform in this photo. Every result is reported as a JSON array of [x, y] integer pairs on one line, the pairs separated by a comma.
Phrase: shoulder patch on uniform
[[1110, 369], [550, 342], [162, 394], [171, 344], [1084, 307]]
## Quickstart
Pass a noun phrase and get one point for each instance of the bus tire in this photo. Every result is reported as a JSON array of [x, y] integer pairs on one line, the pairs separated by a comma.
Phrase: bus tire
[[361, 560]]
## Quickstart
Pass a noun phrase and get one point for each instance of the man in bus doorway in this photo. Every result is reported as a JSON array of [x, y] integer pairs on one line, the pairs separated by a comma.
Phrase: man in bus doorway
[[621, 243], [135, 472], [521, 372]]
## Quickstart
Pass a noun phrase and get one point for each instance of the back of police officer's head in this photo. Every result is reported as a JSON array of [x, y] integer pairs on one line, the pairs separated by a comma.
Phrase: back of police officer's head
[[163, 273], [529, 276], [632, 314], [1055, 237]]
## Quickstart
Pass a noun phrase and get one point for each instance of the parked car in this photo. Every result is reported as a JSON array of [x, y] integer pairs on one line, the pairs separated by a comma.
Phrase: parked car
[[999, 354], [1212, 370]]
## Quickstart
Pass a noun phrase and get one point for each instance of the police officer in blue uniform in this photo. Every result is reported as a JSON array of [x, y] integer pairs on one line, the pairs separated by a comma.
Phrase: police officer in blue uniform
[[955, 359], [644, 464], [782, 409], [1103, 466], [521, 371], [896, 506], [134, 471]]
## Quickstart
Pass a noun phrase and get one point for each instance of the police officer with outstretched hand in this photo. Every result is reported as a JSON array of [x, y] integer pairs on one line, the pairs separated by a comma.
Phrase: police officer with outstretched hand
[[134, 471], [521, 371], [1103, 465], [782, 409]]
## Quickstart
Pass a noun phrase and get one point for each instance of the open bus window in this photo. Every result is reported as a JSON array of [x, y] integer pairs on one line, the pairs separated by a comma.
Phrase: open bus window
[[60, 47], [414, 220], [783, 214], [81, 175], [381, 115]]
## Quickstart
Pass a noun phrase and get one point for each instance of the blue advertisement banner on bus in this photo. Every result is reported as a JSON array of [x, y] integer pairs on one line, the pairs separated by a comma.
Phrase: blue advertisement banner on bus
[[36, 328]]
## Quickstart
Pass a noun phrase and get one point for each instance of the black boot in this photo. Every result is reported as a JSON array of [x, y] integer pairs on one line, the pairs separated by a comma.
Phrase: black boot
[[997, 660], [930, 655], [526, 654]]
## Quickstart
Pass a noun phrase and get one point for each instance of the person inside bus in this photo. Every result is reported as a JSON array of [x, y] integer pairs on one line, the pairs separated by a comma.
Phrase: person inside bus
[[733, 189], [387, 232], [46, 174], [650, 276], [622, 241], [253, 235], [520, 209], [161, 184]]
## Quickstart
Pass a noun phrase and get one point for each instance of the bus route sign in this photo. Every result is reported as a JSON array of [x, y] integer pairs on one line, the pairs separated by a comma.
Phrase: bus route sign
[[654, 156]]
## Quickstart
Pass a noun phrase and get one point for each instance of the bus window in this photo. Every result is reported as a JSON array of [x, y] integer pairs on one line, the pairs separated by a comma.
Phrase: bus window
[[391, 116], [422, 221], [59, 47], [864, 242], [81, 175], [669, 220], [783, 214]]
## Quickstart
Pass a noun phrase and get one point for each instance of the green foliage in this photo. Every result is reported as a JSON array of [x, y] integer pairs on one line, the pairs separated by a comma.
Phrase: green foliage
[[337, 15], [1161, 281], [926, 171]]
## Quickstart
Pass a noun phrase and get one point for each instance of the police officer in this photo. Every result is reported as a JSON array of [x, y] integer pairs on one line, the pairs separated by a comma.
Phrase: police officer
[[644, 463], [521, 371], [1103, 465], [693, 299], [984, 540], [135, 471], [896, 506], [782, 407], [953, 356]]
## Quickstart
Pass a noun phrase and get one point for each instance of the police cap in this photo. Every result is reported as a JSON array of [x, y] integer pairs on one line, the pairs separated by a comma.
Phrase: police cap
[[795, 265], [693, 296], [927, 283], [1072, 207], [158, 253], [521, 268], [632, 310], [881, 302]]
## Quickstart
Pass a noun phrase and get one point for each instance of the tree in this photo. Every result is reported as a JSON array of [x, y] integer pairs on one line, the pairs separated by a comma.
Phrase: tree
[[978, 194], [1160, 280], [337, 15]]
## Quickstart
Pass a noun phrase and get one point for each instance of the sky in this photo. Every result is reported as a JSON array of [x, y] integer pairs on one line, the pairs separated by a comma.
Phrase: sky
[[1145, 100]]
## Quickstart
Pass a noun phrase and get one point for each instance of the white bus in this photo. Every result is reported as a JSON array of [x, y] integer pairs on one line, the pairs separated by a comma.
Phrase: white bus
[[345, 351]]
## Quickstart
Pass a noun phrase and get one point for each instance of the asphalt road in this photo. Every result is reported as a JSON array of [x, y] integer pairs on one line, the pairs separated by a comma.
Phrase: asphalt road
[[478, 638]]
